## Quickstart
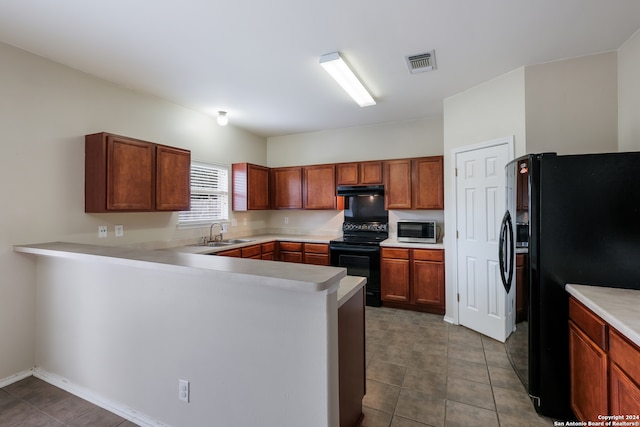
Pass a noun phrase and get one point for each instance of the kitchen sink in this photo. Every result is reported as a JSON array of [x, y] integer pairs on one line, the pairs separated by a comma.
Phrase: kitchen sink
[[219, 243]]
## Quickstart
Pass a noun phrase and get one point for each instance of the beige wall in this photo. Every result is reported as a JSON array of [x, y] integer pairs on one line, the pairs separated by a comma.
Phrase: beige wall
[[45, 111], [385, 141], [629, 95], [572, 105], [490, 111]]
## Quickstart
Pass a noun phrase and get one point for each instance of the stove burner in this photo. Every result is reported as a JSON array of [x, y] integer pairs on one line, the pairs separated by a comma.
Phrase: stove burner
[[367, 226]]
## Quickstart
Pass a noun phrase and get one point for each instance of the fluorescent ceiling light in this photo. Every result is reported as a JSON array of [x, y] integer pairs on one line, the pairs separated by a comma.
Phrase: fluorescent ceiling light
[[340, 71]]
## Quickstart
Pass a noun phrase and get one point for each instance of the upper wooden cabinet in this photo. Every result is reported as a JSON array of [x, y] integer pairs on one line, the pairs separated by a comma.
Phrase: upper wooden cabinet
[[319, 187], [126, 174], [361, 173], [414, 183], [287, 187], [250, 185]]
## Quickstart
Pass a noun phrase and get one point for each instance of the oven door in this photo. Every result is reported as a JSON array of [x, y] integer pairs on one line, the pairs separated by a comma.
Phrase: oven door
[[360, 261]]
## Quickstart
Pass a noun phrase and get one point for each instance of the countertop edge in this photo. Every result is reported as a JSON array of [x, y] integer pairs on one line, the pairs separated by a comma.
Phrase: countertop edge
[[348, 287], [299, 277], [611, 305]]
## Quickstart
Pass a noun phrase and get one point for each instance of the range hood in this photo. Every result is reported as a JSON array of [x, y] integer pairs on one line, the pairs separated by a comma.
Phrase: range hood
[[360, 190]]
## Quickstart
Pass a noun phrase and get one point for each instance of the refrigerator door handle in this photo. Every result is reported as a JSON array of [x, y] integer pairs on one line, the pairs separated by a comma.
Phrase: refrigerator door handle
[[506, 251]]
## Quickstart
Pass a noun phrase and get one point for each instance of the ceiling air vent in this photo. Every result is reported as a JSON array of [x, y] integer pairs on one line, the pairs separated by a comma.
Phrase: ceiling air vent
[[421, 62]]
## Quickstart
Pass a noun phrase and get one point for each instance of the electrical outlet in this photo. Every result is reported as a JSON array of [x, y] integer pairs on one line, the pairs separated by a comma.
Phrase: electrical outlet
[[183, 390], [234, 222], [286, 220], [225, 227], [119, 230], [102, 231]]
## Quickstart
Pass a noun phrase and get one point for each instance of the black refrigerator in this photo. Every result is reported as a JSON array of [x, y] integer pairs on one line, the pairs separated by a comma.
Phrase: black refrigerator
[[583, 217]]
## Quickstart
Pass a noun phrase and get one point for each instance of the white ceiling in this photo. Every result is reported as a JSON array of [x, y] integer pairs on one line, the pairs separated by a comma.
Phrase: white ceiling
[[258, 59]]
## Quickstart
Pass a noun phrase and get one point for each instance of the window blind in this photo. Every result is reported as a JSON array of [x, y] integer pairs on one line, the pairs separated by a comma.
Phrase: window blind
[[209, 194]]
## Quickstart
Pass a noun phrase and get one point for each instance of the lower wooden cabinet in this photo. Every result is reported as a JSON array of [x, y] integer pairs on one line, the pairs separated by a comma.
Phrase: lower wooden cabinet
[[589, 375], [413, 279], [268, 251], [316, 253], [290, 252], [604, 367]]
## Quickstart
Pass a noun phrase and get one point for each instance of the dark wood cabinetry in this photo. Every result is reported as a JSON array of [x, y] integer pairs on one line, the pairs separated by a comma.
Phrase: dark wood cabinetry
[[413, 279], [414, 183], [522, 196], [287, 188], [290, 252], [316, 253], [522, 288], [604, 368], [359, 173], [125, 174], [319, 187], [268, 251], [250, 187]]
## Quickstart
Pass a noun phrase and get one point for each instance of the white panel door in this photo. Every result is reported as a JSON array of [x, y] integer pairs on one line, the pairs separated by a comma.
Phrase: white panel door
[[483, 304]]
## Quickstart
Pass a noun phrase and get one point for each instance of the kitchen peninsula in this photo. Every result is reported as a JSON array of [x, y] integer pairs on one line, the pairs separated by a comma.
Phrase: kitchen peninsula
[[257, 340]]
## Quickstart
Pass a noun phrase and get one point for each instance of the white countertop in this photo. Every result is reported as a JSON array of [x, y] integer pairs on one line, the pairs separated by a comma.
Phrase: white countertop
[[348, 287], [620, 308], [393, 243], [292, 276]]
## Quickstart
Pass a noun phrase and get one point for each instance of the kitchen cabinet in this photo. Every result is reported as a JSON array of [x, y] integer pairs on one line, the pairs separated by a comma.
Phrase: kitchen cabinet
[[319, 187], [287, 187], [252, 252], [522, 288], [522, 196], [290, 252], [250, 187], [268, 251], [414, 183], [428, 183], [126, 174], [316, 253], [603, 364], [413, 279], [624, 381], [359, 173], [397, 184], [235, 253]]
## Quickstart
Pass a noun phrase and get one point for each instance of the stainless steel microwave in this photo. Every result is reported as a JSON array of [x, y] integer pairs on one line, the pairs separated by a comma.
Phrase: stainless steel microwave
[[417, 231]]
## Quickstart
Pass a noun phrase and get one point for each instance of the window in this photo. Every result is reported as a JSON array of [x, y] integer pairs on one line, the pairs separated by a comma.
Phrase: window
[[209, 195]]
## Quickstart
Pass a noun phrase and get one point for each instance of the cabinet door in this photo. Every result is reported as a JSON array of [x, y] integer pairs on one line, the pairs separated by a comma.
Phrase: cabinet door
[[287, 188], [428, 183], [394, 279], [130, 173], [522, 196], [428, 279], [319, 187], [624, 393], [588, 373], [347, 174], [371, 173], [397, 184], [173, 179], [250, 187]]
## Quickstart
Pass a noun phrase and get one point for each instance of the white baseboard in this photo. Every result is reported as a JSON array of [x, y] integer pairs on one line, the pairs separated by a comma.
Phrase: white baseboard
[[88, 395], [15, 378]]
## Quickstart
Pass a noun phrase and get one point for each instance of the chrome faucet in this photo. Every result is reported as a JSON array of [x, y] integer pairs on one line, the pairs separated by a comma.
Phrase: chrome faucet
[[218, 236]]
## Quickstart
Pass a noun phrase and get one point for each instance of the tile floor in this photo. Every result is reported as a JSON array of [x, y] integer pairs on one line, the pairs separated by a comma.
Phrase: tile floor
[[35, 403], [421, 372]]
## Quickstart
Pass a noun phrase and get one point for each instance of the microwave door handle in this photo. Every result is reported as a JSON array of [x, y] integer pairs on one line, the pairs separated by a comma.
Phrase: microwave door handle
[[506, 251]]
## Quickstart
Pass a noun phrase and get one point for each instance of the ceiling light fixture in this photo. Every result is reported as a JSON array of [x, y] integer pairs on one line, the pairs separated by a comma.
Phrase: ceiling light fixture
[[340, 71], [222, 118]]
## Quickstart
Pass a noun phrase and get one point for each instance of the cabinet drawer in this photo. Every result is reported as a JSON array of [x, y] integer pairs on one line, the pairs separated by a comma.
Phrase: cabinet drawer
[[268, 247], [291, 256], [236, 253], [396, 253], [251, 251], [624, 354], [316, 259], [291, 246], [428, 255], [593, 326], [316, 248]]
